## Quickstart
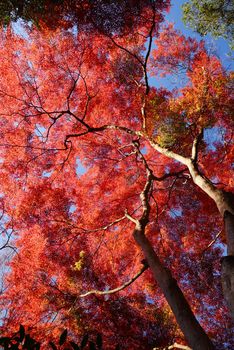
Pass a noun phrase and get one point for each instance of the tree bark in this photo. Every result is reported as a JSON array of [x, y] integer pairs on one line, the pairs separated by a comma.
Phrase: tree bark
[[225, 204], [192, 330]]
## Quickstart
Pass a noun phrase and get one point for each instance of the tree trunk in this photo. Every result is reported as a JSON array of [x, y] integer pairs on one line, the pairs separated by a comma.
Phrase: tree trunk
[[227, 268], [225, 204], [193, 332]]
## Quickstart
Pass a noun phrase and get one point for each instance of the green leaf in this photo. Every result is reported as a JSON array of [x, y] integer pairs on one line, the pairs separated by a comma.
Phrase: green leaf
[[63, 337]]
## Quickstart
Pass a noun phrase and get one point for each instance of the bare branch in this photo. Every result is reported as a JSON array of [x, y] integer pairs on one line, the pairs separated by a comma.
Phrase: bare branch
[[103, 228], [179, 346], [118, 289], [72, 90], [147, 88], [212, 242], [129, 217], [126, 50]]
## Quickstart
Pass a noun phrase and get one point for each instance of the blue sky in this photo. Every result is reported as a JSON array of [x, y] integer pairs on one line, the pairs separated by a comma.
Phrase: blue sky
[[220, 46]]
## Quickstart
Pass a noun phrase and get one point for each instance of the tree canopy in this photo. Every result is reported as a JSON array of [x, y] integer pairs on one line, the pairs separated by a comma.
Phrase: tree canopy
[[102, 15], [215, 17], [116, 195]]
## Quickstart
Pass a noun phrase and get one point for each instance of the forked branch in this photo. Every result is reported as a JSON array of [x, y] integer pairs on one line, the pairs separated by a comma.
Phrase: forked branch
[[118, 289]]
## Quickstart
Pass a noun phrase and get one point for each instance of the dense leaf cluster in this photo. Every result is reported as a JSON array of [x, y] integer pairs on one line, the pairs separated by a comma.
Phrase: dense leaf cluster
[[107, 16]]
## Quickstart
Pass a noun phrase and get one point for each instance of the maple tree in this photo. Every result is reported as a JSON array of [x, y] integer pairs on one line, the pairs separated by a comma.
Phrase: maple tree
[[105, 176]]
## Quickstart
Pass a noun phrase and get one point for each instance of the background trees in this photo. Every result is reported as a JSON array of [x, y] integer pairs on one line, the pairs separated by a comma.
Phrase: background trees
[[215, 17], [100, 170]]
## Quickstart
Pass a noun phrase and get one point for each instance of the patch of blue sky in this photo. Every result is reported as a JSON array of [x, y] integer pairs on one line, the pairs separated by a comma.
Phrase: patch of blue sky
[[4, 217], [144, 150], [213, 136], [72, 208], [80, 168], [218, 46], [149, 300], [40, 131], [167, 169], [214, 179], [30, 64], [20, 29], [175, 212], [222, 246], [46, 173], [53, 280]]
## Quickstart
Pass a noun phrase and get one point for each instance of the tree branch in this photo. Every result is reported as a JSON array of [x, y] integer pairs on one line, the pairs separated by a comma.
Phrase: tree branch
[[212, 242], [195, 147], [147, 88], [179, 346], [118, 289], [167, 152], [175, 346]]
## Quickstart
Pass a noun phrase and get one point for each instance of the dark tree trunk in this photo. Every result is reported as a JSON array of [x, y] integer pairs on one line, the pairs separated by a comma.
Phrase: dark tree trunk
[[227, 269], [192, 330]]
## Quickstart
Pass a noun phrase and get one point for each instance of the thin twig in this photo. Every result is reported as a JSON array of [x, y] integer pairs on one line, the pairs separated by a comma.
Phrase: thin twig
[[118, 289]]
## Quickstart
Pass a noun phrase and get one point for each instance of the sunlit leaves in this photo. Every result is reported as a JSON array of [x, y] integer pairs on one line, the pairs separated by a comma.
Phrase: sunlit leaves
[[60, 91]]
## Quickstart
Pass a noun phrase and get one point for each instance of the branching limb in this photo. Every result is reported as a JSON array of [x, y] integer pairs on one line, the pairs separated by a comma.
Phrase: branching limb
[[129, 217], [118, 289], [147, 88], [212, 242], [86, 230], [72, 90], [156, 178], [126, 50], [167, 152], [134, 133]]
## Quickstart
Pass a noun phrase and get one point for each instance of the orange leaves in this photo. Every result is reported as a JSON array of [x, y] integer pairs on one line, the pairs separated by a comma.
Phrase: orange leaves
[[208, 97], [205, 98]]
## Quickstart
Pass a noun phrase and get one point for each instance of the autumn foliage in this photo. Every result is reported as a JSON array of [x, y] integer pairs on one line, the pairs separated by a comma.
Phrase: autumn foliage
[[85, 128]]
